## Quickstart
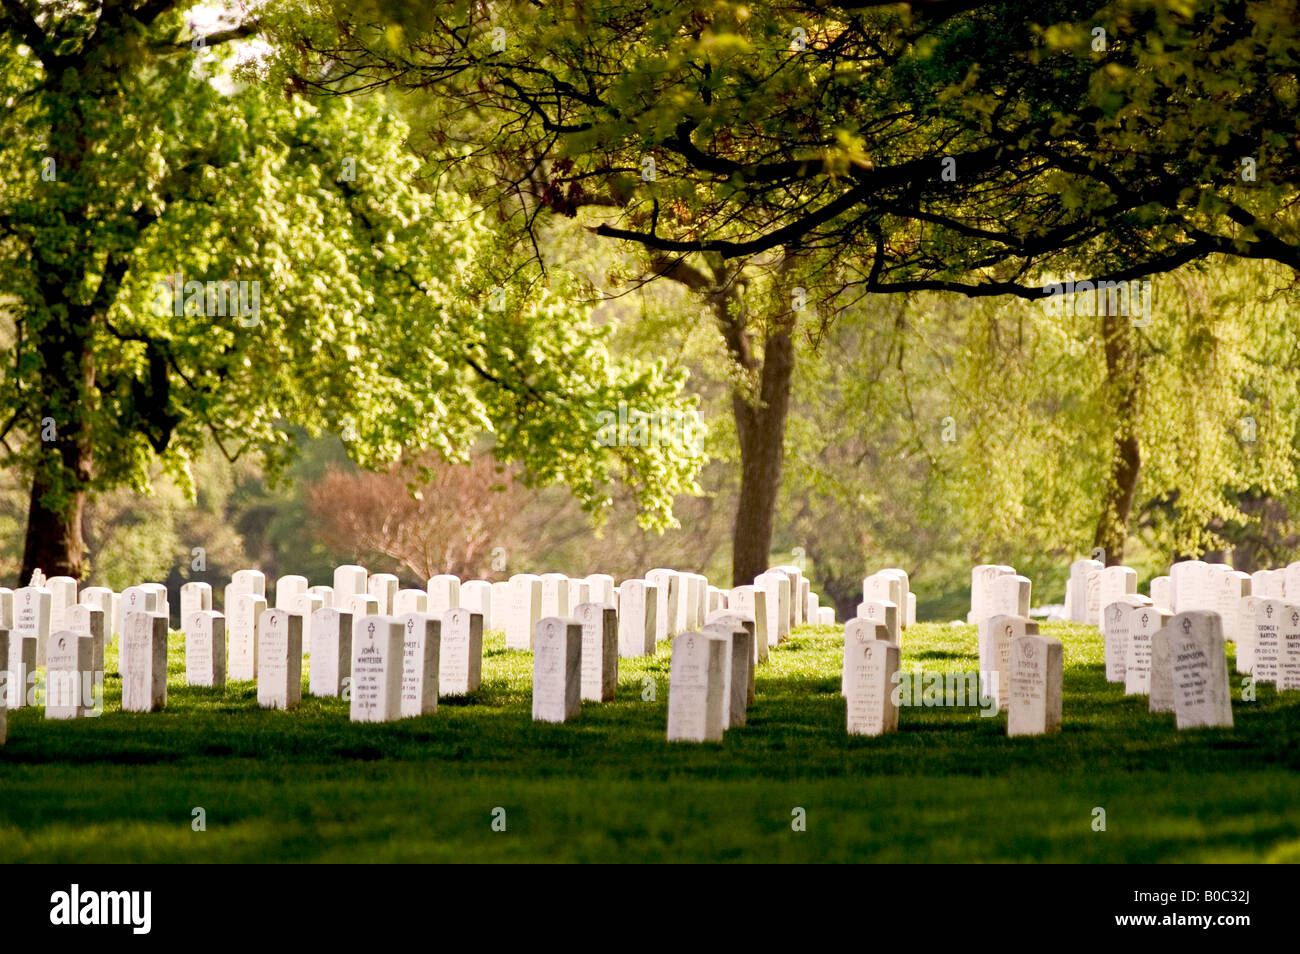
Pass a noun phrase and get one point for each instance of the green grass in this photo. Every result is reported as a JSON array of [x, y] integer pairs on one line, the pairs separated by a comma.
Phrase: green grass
[[308, 785]]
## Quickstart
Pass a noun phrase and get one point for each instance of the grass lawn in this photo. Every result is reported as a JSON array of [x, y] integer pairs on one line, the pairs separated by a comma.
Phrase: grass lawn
[[308, 785]]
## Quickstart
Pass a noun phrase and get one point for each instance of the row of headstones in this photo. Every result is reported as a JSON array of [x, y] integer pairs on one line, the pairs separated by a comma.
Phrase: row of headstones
[[1023, 671], [1190, 585]]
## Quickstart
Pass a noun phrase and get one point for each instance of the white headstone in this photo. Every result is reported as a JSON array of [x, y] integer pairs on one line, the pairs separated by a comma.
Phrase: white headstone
[[600, 588], [241, 627], [500, 607], [326, 594], [1115, 631], [1232, 587], [1116, 582], [695, 689], [859, 630], [638, 602], [250, 581], [1162, 593], [885, 613], [995, 637], [1191, 585], [279, 659], [1160, 697], [732, 620], [557, 670], [1077, 606], [63, 594], [32, 618], [89, 621], [362, 604], [144, 663], [1267, 649], [349, 581], [981, 590], [4, 686], [1009, 595], [1143, 624], [20, 675], [599, 623], [752, 602], [1200, 670], [826, 615], [1034, 703], [777, 588], [287, 589], [383, 587], [70, 676], [870, 666], [195, 597], [460, 658], [1246, 632], [410, 601], [525, 610], [444, 593], [668, 588], [737, 669], [421, 648], [376, 669], [331, 651], [205, 648], [476, 595], [302, 606], [1288, 659]]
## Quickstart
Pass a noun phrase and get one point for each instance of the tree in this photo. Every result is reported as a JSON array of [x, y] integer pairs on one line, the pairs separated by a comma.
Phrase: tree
[[190, 258], [955, 146]]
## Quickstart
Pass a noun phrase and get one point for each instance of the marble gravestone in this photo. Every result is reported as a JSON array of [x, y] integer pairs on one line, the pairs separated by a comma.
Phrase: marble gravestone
[[879, 611], [1009, 595], [579, 593], [32, 619], [667, 585], [476, 595], [981, 590], [421, 649], [279, 659], [89, 621], [326, 594], [70, 683], [1162, 593], [1116, 582], [241, 627], [687, 599], [331, 652], [250, 581], [205, 648], [383, 587], [557, 670], [695, 687], [995, 637], [444, 594], [1266, 649], [1200, 670], [4, 685], [525, 610], [195, 597], [376, 669], [144, 662], [1191, 586], [1034, 701], [859, 630], [288, 589], [410, 601], [600, 588], [737, 665], [460, 653], [362, 604], [302, 606], [1160, 681], [777, 588], [1077, 610], [1116, 620], [599, 678], [500, 607], [63, 594], [752, 602], [349, 581], [886, 587], [637, 622], [555, 594], [1245, 662], [1288, 656], [826, 616], [21, 671], [1143, 624], [870, 668], [1232, 587], [731, 619]]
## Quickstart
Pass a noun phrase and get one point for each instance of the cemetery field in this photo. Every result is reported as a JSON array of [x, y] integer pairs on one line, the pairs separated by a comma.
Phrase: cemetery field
[[309, 785]]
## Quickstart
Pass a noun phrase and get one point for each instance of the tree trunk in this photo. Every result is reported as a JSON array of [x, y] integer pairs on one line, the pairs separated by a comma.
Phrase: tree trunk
[[1123, 374], [761, 430], [54, 542]]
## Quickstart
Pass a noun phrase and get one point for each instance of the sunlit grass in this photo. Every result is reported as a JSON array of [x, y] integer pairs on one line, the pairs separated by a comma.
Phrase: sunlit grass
[[309, 785]]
